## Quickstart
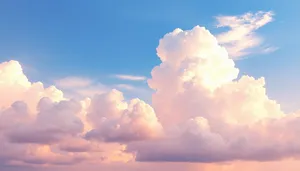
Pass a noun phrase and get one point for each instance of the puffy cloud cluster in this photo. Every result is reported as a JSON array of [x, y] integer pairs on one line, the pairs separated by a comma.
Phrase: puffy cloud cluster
[[115, 120], [53, 122], [201, 111], [40, 126], [32, 118]]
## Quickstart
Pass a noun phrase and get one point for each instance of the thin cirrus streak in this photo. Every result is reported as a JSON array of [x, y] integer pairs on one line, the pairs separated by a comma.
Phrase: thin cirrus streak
[[241, 39], [201, 112], [130, 77]]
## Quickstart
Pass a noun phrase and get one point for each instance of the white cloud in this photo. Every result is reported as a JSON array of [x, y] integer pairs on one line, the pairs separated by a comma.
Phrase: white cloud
[[15, 85], [201, 112], [242, 38], [207, 113], [269, 49], [130, 77]]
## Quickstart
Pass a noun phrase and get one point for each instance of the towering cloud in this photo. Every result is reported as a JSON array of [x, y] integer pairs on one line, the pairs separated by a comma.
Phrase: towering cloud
[[209, 114]]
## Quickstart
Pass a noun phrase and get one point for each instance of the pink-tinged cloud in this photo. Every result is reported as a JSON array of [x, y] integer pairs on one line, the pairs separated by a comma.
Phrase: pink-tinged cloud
[[53, 122], [208, 114], [201, 112], [115, 120]]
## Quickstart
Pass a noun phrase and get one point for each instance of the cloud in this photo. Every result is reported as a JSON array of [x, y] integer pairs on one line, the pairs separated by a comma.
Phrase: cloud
[[80, 87], [290, 165], [130, 77], [71, 82], [201, 112], [53, 122], [36, 123], [125, 86], [77, 144], [208, 114], [269, 49], [137, 90], [241, 37], [15, 86], [128, 122]]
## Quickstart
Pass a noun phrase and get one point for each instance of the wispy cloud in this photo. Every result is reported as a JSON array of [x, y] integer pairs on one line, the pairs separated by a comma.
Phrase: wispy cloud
[[241, 37], [132, 88], [130, 77], [269, 49], [69, 82], [125, 86], [80, 86]]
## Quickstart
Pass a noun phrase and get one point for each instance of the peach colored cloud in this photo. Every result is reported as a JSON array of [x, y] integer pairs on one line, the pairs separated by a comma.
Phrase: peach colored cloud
[[208, 113], [114, 120], [201, 112]]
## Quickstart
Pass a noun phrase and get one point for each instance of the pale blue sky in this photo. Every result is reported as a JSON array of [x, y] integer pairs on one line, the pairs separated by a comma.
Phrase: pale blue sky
[[99, 38]]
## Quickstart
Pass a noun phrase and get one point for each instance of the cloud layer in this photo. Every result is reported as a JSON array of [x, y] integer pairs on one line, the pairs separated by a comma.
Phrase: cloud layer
[[201, 111]]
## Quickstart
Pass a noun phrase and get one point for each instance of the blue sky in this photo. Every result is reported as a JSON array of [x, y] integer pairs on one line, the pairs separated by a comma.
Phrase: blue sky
[[96, 39], [208, 121]]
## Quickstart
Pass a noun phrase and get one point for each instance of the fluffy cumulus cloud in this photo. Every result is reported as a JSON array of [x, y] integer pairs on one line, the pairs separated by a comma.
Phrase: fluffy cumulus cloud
[[208, 113], [115, 120], [201, 111], [53, 122], [39, 126], [16, 87]]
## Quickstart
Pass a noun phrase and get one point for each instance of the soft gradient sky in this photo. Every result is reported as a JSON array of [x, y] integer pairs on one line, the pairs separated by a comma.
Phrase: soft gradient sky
[[94, 39], [86, 48]]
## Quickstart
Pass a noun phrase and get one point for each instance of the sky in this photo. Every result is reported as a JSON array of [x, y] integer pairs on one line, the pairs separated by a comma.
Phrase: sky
[[149, 85]]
